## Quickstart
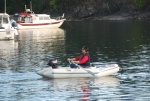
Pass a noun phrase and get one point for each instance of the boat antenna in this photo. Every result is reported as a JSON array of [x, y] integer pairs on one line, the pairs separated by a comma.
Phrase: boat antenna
[[31, 5], [25, 8], [5, 7]]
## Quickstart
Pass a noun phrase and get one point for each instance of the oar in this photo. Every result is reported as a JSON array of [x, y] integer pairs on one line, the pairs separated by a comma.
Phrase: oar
[[84, 69]]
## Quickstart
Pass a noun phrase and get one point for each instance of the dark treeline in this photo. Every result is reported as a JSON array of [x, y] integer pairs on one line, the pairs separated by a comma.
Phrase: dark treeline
[[78, 8], [38, 6], [60, 5], [14, 6]]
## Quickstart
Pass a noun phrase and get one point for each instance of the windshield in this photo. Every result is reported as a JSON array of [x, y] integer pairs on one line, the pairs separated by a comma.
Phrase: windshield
[[3, 19]]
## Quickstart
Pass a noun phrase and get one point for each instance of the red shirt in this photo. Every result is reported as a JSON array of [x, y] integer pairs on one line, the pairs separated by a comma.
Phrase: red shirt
[[83, 60]]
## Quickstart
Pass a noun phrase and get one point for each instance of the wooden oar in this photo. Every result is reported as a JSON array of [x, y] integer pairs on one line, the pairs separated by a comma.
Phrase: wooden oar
[[82, 68]]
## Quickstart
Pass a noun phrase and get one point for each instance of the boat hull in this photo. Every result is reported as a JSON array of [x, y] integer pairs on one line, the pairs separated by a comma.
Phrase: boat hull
[[55, 24], [8, 34], [67, 72]]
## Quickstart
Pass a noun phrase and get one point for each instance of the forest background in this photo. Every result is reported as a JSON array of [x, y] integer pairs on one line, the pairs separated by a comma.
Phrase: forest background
[[84, 9]]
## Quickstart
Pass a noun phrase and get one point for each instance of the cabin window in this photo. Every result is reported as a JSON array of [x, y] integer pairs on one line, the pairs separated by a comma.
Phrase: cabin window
[[40, 18], [5, 20], [46, 18], [22, 19], [28, 20]]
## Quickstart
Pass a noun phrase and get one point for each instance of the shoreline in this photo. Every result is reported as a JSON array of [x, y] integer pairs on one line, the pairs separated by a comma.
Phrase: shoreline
[[123, 16]]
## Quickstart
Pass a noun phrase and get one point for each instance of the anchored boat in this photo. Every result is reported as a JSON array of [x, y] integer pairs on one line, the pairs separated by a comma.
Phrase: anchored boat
[[6, 29], [67, 72], [30, 20]]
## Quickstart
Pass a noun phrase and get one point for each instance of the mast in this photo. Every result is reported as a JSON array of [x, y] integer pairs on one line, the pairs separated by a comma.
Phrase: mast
[[5, 7], [25, 8], [30, 5]]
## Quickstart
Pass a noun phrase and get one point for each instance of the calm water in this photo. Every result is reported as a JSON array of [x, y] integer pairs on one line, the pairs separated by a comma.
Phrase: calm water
[[122, 42]]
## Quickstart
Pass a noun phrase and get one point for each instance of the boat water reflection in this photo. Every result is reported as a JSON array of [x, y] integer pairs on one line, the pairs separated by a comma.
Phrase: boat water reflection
[[42, 34], [82, 88], [104, 82], [46, 43], [7, 51]]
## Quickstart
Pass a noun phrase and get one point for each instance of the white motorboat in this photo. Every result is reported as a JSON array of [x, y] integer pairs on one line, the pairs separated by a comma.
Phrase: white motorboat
[[6, 29], [67, 72], [30, 20]]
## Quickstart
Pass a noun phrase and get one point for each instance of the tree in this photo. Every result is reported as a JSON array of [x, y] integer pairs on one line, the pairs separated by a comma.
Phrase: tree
[[141, 3]]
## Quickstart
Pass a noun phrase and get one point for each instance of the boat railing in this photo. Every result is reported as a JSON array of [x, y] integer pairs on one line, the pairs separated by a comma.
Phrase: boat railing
[[59, 17]]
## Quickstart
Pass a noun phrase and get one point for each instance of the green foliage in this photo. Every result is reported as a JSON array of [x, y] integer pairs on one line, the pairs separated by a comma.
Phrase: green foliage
[[53, 4], [38, 6], [12, 6], [141, 3], [61, 4]]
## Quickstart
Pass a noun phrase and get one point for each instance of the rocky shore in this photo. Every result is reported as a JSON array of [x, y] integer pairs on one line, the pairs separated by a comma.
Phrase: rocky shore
[[108, 10]]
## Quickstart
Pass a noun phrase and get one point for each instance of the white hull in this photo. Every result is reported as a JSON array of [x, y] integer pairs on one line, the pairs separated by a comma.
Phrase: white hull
[[6, 29], [55, 24], [4, 35], [67, 72]]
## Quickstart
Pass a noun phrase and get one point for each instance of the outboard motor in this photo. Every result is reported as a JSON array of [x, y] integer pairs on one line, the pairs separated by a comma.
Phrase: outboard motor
[[14, 24], [53, 63]]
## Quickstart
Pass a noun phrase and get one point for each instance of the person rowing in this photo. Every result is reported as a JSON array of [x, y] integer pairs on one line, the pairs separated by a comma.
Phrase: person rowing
[[83, 60]]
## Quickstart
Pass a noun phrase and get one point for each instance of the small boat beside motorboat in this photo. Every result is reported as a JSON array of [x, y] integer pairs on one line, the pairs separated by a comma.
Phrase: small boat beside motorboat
[[30, 20], [68, 72], [6, 29]]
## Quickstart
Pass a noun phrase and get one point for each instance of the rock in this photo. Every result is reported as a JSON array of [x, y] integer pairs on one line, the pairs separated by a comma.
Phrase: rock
[[107, 10]]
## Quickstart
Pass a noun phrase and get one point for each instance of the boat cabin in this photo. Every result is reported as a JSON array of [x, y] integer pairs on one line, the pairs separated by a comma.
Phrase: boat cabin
[[4, 20], [29, 17]]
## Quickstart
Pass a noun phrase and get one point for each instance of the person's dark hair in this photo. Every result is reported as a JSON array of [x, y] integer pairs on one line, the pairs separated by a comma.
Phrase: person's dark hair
[[85, 48]]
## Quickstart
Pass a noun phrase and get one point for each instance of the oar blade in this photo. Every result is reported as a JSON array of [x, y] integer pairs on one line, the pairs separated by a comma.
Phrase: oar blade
[[90, 72]]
